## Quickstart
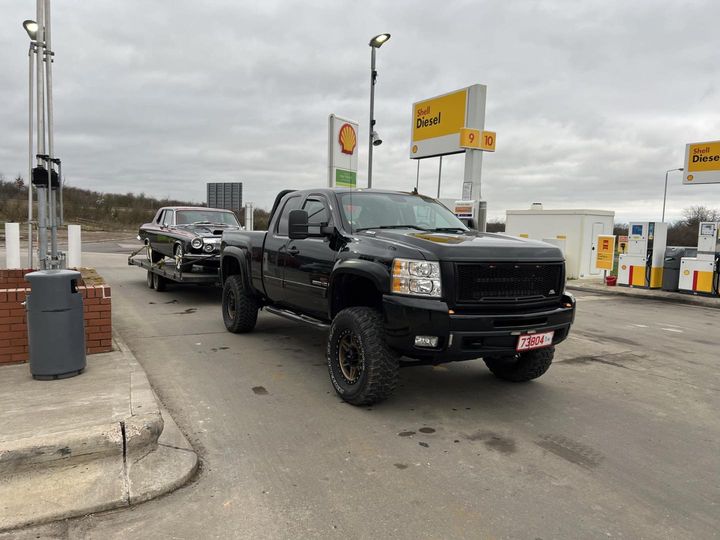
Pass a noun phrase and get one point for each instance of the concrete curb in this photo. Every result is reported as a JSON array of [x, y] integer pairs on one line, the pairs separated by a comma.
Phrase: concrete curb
[[145, 456], [645, 294], [137, 433]]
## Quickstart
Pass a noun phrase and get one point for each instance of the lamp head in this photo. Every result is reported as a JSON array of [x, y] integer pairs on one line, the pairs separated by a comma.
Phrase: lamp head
[[378, 40], [31, 27], [376, 140]]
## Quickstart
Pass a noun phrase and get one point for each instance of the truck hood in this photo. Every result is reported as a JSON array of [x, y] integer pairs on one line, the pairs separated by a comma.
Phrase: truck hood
[[471, 246]]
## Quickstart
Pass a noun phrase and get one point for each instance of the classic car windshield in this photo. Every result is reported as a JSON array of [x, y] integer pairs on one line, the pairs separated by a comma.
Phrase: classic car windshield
[[367, 210], [186, 217]]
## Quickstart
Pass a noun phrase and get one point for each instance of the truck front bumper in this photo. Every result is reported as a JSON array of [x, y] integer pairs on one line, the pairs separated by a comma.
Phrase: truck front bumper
[[466, 336]]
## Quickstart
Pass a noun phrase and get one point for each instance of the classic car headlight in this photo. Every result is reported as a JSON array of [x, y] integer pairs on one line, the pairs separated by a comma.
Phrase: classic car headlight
[[419, 278], [197, 243]]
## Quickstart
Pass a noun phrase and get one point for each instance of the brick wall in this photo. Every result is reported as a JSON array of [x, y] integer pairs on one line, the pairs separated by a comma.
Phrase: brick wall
[[97, 312]]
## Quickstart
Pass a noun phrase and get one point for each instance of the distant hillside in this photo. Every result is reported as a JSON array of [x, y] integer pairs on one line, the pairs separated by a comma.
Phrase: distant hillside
[[91, 209]]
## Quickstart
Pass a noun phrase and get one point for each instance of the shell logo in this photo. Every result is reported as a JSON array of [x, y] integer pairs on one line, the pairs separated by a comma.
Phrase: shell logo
[[624, 267], [686, 272], [690, 177], [414, 149], [347, 139]]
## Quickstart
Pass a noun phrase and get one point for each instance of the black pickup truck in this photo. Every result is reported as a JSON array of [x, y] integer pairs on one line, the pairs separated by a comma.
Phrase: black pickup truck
[[398, 280]]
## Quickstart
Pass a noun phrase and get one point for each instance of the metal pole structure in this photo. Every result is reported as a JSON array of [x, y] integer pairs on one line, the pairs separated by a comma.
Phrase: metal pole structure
[[40, 96], [417, 177], [60, 179], [52, 192], [439, 176], [373, 76], [665, 193], [31, 96]]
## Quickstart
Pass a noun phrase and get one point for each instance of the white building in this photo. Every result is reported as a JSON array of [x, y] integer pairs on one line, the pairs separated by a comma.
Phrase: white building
[[574, 231]]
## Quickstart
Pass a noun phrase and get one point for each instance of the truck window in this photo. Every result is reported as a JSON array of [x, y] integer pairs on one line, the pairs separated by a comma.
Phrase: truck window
[[293, 203], [317, 212]]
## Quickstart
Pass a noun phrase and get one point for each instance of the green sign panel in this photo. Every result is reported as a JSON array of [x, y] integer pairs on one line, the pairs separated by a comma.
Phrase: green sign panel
[[345, 178]]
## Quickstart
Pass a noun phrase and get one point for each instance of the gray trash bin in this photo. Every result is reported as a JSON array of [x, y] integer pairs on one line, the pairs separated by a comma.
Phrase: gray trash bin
[[56, 329], [671, 267]]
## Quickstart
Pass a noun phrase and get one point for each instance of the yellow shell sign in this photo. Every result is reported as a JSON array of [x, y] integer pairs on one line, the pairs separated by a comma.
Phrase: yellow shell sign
[[439, 116], [347, 139]]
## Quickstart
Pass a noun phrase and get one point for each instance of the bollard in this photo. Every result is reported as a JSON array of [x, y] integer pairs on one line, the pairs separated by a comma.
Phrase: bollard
[[12, 245], [74, 254]]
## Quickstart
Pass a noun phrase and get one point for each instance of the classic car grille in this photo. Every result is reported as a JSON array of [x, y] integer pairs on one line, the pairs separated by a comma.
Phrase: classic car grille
[[489, 282]]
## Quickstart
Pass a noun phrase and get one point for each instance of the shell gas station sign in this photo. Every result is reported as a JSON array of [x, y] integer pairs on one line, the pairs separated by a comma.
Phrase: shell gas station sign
[[444, 124], [702, 163], [342, 152]]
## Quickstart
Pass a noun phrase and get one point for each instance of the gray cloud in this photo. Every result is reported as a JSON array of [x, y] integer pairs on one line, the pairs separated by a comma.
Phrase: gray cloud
[[592, 101]]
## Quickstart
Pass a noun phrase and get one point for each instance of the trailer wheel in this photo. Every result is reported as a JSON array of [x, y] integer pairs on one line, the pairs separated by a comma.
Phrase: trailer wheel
[[150, 281], [363, 369], [159, 283], [239, 309], [521, 367]]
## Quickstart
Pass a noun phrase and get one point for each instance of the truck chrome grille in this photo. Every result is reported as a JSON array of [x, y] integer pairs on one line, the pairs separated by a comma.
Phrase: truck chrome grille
[[499, 282]]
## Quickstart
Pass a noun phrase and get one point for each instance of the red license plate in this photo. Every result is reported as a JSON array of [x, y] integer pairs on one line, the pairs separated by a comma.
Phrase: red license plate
[[527, 342]]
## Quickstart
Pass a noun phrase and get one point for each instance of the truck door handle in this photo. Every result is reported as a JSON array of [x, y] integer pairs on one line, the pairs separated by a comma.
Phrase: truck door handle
[[293, 251]]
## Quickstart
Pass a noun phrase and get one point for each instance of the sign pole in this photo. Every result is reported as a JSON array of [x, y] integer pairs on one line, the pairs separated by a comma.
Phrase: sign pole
[[473, 158], [439, 176]]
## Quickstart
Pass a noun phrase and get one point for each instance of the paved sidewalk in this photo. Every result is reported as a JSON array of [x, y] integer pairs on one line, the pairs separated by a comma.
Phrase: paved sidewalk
[[597, 286], [75, 446]]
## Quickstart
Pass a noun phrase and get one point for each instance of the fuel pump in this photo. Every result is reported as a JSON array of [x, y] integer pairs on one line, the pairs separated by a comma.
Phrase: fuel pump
[[701, 274], [642, 264]]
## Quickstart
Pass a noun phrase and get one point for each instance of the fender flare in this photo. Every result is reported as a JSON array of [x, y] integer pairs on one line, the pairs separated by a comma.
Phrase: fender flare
[[240, 256], [376, 273]]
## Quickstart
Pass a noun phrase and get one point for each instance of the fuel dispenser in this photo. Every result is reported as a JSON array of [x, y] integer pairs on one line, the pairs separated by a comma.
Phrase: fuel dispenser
[[642, 264], [701, 274]]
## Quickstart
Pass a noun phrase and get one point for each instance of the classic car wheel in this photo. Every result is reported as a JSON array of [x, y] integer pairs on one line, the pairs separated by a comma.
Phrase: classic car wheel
[[239, 309], [159, 283], [150, 279], [363, 369], [152, 255]]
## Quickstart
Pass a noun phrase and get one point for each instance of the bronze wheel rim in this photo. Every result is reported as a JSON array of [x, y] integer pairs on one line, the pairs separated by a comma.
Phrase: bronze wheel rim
[[230, 305], [350, 357]]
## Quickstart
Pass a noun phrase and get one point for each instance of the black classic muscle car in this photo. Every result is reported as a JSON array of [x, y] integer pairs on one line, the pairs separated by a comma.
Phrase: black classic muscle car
[[190, 235]]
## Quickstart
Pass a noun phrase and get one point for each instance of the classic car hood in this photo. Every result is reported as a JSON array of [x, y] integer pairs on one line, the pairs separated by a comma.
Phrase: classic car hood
[[472, 245], [206, 229]]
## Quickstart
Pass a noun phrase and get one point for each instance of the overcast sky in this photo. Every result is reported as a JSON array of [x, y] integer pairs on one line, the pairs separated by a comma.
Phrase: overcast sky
[[592, 101]]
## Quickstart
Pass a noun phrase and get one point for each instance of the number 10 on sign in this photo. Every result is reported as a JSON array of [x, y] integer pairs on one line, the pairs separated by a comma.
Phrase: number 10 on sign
[[475, 139]]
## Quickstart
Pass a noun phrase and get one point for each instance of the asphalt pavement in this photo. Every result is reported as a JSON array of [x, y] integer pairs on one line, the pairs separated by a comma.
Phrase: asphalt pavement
[[620, 439]]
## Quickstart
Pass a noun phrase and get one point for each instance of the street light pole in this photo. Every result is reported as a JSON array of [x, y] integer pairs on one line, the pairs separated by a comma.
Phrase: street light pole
[[52, 191], [665, 193], [43, 183], [375, 43], [31, 96], [373, 76]]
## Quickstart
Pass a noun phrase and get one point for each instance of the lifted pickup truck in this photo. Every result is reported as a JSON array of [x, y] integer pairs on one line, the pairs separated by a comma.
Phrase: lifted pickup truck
[[396, 275]]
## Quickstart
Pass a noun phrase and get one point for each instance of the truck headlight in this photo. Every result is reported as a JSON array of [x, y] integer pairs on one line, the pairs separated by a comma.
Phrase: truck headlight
[[197, 243], [419, 278]]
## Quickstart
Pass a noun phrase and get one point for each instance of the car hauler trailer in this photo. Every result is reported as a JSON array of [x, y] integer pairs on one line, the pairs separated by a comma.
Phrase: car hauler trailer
[[168, 270]]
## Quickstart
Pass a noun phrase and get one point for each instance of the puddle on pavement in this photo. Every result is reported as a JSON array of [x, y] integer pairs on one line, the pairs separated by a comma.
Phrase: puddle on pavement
[[260, 390], [494, 441], [401, 466], [426, 430], [188, 310], [406, 434]]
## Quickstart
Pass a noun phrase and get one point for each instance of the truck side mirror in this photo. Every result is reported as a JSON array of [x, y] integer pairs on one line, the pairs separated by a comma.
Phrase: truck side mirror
[[298, 225]]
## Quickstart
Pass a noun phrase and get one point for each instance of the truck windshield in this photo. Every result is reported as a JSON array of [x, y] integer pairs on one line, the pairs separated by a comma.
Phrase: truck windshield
[[187, 217], [368, 210]]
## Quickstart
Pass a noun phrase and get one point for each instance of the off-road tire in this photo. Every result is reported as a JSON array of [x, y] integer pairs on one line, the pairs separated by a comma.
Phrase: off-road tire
[[521, 367], [379, 376], [239, 309], [159, 282]]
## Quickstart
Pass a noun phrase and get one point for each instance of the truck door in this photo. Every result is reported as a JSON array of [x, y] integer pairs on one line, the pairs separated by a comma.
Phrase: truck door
[[309, 263], [274, 251]]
